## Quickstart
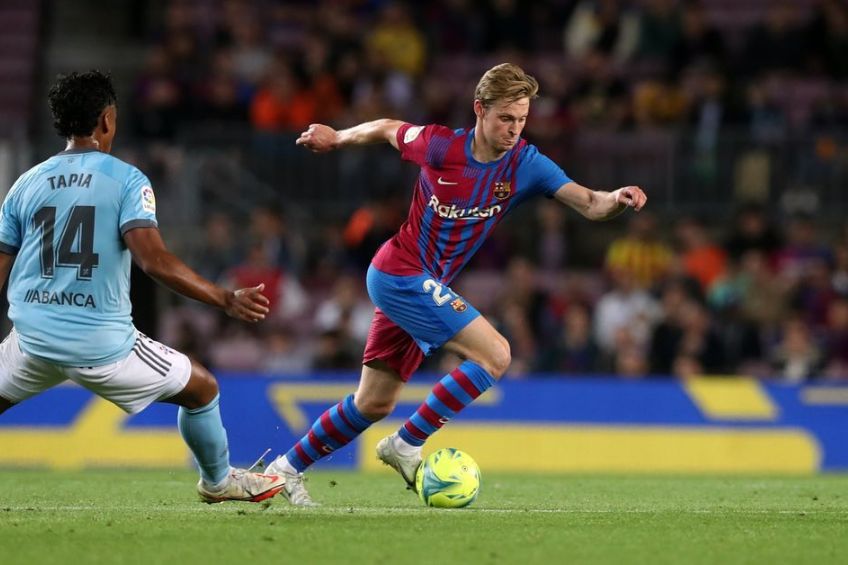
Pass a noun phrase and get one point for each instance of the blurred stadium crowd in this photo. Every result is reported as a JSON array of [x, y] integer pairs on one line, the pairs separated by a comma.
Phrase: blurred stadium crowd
[[615, 64], [759, 288], [688, 299], [759, 300]]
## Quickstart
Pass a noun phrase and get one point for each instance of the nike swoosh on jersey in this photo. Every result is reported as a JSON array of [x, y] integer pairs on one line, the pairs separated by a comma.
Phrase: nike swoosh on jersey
[[440, 181]]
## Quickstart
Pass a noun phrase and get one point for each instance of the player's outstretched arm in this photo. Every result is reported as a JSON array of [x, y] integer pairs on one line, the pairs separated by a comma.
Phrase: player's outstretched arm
[[319, 138], [149, 252], [599, 204]]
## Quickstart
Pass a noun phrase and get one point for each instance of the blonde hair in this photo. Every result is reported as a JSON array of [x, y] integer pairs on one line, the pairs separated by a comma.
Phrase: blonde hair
[[505, 82]]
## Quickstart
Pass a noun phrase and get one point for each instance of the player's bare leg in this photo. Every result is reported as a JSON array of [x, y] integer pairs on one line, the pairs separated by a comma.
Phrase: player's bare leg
[[199, 391], [377, 395], [481, 343], [374, 399], [486, 358], [378, 391], [201, 427]]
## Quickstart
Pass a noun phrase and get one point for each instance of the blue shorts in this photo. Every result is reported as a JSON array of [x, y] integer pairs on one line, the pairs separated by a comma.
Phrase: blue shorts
[[423, 307]]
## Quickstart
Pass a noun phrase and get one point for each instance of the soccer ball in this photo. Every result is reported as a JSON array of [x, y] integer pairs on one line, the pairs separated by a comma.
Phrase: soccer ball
[[448, 478]]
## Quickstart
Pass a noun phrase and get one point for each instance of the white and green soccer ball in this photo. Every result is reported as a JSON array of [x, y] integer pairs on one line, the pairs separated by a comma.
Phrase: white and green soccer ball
[[448, 478]]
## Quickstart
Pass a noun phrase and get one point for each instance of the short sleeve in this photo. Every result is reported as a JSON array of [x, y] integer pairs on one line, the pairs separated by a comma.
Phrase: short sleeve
[[138, 203], [414, 142], [546, 176], [10, 224]]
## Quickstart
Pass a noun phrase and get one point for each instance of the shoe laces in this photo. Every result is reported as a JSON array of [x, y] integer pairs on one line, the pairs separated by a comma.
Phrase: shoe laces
[[296, 489], [260, 460], [296, 480], [242, 475]]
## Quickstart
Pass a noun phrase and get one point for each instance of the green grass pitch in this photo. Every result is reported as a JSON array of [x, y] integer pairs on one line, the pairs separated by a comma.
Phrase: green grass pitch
[[149, 517]]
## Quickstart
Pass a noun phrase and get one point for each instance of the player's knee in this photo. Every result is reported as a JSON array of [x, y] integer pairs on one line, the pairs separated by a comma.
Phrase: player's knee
[[499, 358], [374, 409], [203, 384]]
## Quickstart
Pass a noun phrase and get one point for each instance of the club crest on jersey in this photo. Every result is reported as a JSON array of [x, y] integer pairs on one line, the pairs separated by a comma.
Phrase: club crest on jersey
[[502, 189], [458, 305]]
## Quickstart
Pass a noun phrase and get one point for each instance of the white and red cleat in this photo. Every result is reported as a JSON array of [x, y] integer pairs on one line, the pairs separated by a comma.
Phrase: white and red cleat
[[245, 486]]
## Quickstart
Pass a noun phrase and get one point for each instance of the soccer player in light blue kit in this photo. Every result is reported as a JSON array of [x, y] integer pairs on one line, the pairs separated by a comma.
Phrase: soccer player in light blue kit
[[68, 230]]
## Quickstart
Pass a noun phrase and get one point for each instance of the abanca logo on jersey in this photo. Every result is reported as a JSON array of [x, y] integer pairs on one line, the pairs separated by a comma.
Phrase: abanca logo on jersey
[[451, 212], [77, 299]]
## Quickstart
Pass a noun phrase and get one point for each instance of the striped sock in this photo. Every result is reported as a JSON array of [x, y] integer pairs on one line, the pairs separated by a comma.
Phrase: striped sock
[[336, 427], [454, 392]]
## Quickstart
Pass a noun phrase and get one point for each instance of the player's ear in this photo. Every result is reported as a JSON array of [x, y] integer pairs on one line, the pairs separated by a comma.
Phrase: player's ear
[[478, 109], [108, 118]]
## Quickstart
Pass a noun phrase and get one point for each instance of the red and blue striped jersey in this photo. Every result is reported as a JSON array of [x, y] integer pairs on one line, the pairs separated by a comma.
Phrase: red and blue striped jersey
[[458, 201]]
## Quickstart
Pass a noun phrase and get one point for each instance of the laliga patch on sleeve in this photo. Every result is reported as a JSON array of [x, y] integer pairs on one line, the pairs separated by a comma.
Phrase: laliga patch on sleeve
[[148, 200], [412, 133]]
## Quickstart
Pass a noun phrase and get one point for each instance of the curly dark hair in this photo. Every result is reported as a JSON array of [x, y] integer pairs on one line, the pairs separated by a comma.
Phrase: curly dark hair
[[76, 101]]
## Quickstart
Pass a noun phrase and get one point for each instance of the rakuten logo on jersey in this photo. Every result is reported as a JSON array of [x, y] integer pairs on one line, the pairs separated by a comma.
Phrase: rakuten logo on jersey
[[451, 212]]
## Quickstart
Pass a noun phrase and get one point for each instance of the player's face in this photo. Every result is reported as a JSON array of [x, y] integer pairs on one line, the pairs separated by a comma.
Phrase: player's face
[[503, 122]]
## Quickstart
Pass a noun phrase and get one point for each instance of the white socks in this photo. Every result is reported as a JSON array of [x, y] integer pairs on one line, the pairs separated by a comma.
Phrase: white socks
[[404, 448], [283, 465]]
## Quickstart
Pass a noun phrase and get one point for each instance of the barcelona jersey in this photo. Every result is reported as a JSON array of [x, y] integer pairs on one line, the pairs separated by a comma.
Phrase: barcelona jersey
[[458, 200]]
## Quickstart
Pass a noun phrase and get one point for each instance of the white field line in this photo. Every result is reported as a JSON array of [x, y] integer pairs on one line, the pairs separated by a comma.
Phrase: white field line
[[8, 510]]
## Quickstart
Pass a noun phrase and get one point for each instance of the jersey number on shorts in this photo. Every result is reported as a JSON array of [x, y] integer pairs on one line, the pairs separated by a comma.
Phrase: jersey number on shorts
[[432, 286], [80, 222]]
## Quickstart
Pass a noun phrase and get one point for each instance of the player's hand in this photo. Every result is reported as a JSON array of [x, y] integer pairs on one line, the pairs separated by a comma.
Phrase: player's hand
[[631, 196], [248, 304], [319, 138]]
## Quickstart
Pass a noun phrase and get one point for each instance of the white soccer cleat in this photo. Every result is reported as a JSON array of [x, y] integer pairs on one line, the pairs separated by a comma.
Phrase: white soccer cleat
[[406, 465], [295, 489], [245, 486]]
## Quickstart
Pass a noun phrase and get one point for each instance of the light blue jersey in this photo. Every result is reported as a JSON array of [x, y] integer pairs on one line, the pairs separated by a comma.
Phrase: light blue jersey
[[69, 290]]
